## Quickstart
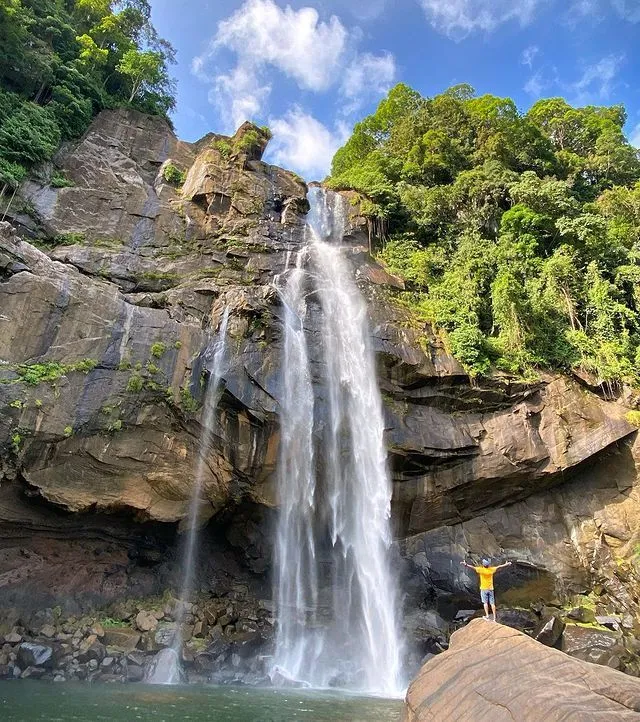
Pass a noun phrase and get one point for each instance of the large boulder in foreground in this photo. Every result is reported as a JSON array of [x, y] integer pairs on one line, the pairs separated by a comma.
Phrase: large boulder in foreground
[[492, 672]]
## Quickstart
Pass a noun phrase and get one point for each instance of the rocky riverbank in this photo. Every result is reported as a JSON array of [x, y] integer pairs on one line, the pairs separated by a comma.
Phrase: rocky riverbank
[[225, 641]]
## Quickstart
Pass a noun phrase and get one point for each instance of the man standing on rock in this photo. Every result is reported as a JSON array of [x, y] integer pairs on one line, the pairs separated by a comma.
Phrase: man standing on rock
[[486, 572]]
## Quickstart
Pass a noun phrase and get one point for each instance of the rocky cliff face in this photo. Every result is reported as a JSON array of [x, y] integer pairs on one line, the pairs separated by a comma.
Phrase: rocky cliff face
[[104, 328]]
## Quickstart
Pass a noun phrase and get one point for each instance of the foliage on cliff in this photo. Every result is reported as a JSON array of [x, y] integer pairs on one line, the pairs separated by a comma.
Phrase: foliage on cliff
[[518, 234], [62, 61]]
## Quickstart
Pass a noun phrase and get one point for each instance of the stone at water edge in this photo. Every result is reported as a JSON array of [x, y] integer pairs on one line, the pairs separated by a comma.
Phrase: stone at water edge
[[492, 672], [34, 655]]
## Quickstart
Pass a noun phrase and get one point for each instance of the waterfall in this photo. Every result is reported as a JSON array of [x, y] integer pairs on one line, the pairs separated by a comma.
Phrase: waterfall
[[336, 594], [167, 668]]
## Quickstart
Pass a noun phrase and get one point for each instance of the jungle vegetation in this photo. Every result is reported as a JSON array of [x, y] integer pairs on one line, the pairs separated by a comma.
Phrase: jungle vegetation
[[518, 234], [63, 61]]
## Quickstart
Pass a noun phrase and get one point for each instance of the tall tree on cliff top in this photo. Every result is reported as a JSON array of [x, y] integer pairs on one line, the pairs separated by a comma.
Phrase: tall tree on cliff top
[[517, 234], [62, 61]]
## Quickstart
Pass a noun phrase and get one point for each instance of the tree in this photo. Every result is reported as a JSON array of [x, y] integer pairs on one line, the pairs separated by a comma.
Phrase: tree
[[517, 235], [142, 69]]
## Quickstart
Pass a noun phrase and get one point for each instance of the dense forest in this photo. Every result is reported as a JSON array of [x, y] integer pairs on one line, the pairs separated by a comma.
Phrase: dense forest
[[61, 62], [517, 234]]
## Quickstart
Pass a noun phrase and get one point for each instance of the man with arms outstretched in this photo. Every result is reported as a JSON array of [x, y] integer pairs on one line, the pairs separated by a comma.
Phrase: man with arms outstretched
[[486, 572]]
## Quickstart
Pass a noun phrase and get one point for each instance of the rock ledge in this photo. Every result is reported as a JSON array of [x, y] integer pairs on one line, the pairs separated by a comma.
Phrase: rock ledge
[[492, 672]]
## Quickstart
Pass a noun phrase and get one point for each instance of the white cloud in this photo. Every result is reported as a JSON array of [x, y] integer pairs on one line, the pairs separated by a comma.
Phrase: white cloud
[[261, 34], [303, 143], [459, 18], [261, 37], [628, 9], [535, 85], [367, 75], [581, 9], [596, 81], [239, 94], [528, 55], [294, 41], [595, 10], [367, 10], [634, 138]]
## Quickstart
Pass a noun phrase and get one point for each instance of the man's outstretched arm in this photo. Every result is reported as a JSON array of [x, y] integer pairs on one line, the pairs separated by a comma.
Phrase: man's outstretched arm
[[464, 564], [502, 566]]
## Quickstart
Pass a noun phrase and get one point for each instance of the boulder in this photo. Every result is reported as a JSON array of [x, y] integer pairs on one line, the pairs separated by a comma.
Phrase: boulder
[[91, 650], [550, 631], [493, 672], [146, 621], [123, 639], [591, 644], [34, 655]]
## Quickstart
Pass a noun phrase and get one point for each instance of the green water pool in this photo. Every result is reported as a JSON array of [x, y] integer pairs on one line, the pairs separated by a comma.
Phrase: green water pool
[[25, 700]]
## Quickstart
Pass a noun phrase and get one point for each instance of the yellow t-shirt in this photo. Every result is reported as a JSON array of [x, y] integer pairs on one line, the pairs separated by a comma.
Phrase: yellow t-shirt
[[486, 577]]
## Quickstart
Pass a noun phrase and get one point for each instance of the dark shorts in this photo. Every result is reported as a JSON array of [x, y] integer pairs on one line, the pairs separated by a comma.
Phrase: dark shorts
[[487, 596]]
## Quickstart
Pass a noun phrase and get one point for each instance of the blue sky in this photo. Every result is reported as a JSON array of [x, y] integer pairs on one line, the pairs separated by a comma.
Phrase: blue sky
[[310, 69]]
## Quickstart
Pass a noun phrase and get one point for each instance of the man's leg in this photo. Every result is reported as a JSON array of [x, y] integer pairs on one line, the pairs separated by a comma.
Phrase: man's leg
[[484, 596], [492, 599]]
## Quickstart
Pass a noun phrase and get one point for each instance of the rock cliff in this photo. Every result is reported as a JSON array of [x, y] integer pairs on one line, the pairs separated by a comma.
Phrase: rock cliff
[[111, 291]]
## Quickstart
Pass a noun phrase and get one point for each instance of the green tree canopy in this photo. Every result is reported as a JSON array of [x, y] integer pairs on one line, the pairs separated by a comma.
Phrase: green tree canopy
[[62, 61], [518, 234]]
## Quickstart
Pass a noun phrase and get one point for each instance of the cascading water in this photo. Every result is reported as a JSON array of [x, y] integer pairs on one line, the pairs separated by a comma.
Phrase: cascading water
[[337, 602], [166, 668]]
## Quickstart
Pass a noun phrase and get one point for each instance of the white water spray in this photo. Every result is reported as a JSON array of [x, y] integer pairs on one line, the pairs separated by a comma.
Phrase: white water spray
[[167, 668], [337, 600]]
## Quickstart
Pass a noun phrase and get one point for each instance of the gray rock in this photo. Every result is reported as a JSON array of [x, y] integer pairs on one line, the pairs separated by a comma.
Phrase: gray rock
[[125, 640], [34, 655], [146, 621], [550, 632], [134, 673]]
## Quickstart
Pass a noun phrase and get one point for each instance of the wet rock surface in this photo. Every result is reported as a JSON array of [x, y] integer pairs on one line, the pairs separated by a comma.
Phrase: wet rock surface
[[494, 672], [105, 323]]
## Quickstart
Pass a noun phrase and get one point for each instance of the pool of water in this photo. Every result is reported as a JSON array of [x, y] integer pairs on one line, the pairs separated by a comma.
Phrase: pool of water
[[25, 700]]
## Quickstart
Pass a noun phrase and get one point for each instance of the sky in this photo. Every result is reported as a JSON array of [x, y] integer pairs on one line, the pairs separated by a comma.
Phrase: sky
[[311, 69]]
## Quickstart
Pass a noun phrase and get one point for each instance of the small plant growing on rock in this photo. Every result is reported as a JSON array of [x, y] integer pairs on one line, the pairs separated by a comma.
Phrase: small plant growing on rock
[[16, 441], [187, 400], [50, 371], [38, 403], [17, 404], [59, 180], [115, 426], [86, 365], [633, 417], [135, 384], [110, 622], [68, 239], [177, 345], [68, 431], [158, 349], [172, 174], [223, 147], [152, 368], [248, 142]]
